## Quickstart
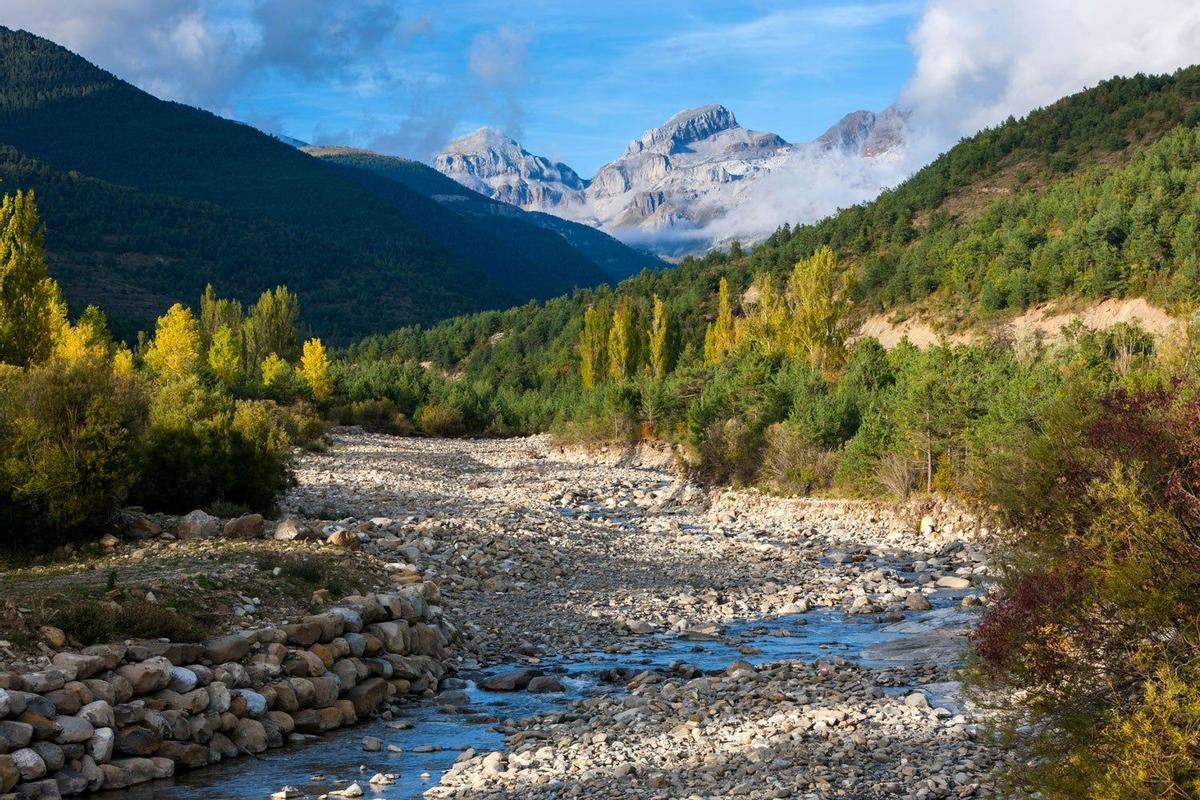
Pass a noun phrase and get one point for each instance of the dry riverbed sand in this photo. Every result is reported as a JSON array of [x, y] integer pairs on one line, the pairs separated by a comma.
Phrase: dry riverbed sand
[[542, 552]]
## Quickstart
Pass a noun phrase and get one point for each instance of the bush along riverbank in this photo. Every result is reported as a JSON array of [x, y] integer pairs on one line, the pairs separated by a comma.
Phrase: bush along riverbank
[[110, 716]]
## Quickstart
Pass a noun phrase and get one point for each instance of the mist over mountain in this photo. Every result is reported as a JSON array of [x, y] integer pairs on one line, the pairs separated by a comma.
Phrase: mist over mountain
[[699, 179]]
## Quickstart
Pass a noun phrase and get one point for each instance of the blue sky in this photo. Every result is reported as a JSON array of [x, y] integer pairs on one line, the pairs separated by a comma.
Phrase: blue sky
[[577, 79], [578, 84]]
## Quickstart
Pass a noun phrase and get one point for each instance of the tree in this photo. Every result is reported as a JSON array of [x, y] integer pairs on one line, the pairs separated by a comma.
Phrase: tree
[[27, 295], [270, 326], [175, 351], [660, 340], [766, 325], [224, 355], [719, 337], [217, 312], [623, 345], [593, 344], [314, 368], [818, 313], [276, 373]]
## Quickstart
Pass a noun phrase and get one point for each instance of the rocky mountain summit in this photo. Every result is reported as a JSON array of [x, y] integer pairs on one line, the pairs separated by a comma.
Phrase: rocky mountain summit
[[493, 164], [678, 185]]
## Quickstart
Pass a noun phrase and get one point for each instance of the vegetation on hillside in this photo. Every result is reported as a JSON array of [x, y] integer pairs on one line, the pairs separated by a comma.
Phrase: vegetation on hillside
[[205, 412]]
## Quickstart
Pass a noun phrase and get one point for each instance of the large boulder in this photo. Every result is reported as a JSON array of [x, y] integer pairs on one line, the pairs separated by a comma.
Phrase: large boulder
[[292, 529], [9, 773], [233, 647], [250, 735], [84, 666], [510, 681], [198, 525], [367, 695], [247, 526]]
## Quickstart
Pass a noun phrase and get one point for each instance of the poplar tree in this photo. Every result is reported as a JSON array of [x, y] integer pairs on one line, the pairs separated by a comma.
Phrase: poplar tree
[[314, 368], [225, 355], [270, 326], [593, 345], [818, 314], [175, 351], [719, 336], [27, 294], [623, 349], [660, 342]]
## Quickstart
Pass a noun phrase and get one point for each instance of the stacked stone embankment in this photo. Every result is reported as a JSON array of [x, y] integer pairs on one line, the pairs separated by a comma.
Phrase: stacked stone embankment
[[114, 715]]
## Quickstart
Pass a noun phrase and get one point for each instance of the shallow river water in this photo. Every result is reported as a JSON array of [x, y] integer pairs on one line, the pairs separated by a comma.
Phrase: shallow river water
[[339, 756]]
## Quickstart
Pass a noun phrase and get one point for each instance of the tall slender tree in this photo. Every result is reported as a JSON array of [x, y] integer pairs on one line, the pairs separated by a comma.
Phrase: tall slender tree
[[27, 294], [818, 313], [719, 337], [660, 340], [270, 326], [623, 346], [593, 345]]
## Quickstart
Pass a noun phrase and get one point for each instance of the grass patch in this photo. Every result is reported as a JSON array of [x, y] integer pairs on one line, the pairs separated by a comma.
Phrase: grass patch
[[91, 621]]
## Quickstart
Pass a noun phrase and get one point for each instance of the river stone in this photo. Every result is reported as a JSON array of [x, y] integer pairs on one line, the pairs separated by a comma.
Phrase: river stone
[[302, 634], [71, 782], [292, 529], [44, 681], [249, 735], [29, 763], [542, 684], [83, 665], [183, 680], [184, 754], [368, 695], [198, 525], [73, 730], [147, 676], [17, 734], [510, 681], [126, 772], [43, 727], [953, 582], [137, 741], [256, 704], [343, 538], [51, 753], [9, 773], [247, 526], [100, 746], [232, 647], [99, 713], [917, 601]]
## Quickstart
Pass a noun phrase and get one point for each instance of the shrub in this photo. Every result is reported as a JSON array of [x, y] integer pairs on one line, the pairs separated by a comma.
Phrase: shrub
[[793, 462], [376, 415], [69, 434], [897, 475], [440, 420], [202, 446]]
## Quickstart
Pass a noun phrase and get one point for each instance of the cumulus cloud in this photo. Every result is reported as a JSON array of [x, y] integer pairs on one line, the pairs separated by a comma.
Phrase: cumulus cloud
[[497, 61], [197, 52], [978, 61]]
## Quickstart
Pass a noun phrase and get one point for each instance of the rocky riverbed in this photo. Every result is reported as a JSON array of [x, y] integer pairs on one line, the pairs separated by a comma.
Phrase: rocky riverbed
[[544, 552]]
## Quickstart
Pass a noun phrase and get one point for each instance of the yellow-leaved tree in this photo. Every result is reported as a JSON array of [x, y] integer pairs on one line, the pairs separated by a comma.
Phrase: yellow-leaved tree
[[718, 337], [660, 353], [225, 355], [623, 347], [27, 294], [275, 371], [175, 351], [818, 312], [593, 344], [765, 324], [314, 368]]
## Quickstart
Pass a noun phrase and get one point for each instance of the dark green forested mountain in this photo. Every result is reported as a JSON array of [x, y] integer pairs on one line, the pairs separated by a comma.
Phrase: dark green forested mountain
[[618, 260], [1096, 195], [145, 201]]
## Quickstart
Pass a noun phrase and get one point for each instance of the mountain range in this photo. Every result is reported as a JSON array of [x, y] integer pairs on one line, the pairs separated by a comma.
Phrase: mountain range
[[145, 201], [685, 185]]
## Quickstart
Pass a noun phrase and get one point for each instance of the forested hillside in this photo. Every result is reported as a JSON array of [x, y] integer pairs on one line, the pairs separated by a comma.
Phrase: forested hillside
[[618, 260], [146, 201], [1092, 196]]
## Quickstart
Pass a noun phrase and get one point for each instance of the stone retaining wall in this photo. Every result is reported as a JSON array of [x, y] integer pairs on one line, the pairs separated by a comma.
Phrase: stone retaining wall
[[111, 716]]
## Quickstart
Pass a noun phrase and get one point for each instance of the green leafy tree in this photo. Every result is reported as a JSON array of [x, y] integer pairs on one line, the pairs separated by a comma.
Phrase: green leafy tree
[[593, 344], [623, 346], [660, 340], [270, 326], [27, 295]]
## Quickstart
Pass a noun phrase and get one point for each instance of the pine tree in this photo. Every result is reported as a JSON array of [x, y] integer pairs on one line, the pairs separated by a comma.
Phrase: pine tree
[[660, 340], [593, 345], [27, 294], [818, 314], [314, 368], [225, 355], [175, 351]]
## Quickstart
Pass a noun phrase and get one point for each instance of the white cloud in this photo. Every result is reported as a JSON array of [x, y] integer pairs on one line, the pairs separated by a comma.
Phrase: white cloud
[[497, 60], [978, 61]]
